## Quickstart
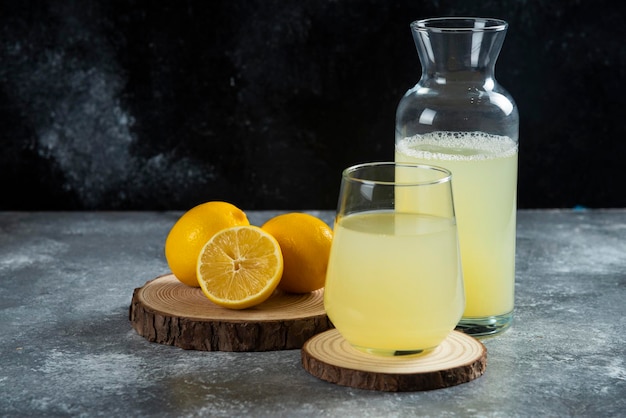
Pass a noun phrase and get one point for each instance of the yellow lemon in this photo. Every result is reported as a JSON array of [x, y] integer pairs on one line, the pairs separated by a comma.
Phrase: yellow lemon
[[240, 267], [305, 244], [192, 231]]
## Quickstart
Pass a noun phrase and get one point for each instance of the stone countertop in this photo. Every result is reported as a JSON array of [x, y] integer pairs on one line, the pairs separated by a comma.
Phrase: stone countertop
[[68, 349]]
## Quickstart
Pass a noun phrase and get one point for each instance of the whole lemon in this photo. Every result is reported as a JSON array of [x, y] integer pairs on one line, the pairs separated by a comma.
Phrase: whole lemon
[[194, 229], [305, 244]]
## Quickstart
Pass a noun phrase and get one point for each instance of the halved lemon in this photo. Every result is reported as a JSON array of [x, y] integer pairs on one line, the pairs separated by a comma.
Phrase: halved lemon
[[240, 267]]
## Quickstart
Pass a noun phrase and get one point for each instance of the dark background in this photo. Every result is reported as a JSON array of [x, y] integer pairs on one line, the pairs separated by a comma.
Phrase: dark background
[[136, 105]]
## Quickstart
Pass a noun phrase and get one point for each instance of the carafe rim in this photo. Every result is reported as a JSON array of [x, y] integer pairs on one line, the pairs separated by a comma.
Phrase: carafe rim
[[459, 24]]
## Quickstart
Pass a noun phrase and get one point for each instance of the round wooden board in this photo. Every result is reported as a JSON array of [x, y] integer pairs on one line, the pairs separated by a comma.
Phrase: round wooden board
[[167, 311], [460, 358]]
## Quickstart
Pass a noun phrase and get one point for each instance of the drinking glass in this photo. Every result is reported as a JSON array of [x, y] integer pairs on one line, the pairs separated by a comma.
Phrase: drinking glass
[[394, 284]]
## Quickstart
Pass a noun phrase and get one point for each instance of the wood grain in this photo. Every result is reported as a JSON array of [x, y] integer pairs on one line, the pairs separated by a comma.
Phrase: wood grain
[[166, 311], [459, 359]]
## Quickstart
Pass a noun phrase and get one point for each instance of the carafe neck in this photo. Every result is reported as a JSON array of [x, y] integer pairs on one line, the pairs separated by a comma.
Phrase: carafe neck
[[458, 49]]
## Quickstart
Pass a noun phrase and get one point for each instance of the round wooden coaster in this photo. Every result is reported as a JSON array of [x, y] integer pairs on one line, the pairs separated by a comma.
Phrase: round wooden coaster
[[166, 311], [460, 358]]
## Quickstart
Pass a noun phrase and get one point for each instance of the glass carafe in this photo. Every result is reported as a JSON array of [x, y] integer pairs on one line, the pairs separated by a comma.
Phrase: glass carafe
[[457, 116]]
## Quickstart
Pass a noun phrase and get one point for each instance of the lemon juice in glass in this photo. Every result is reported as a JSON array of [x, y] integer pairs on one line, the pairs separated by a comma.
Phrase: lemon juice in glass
[[394, 284]]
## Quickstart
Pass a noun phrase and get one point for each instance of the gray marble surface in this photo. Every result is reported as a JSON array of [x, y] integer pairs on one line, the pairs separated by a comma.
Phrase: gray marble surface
[[66, 281]]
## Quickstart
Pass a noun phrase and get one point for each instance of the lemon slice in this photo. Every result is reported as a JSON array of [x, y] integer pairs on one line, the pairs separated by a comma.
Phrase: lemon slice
[[240, 267]]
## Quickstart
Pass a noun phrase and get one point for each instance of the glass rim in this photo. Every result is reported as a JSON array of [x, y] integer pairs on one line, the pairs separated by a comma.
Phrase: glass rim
[[347, 174], [460, 24]]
